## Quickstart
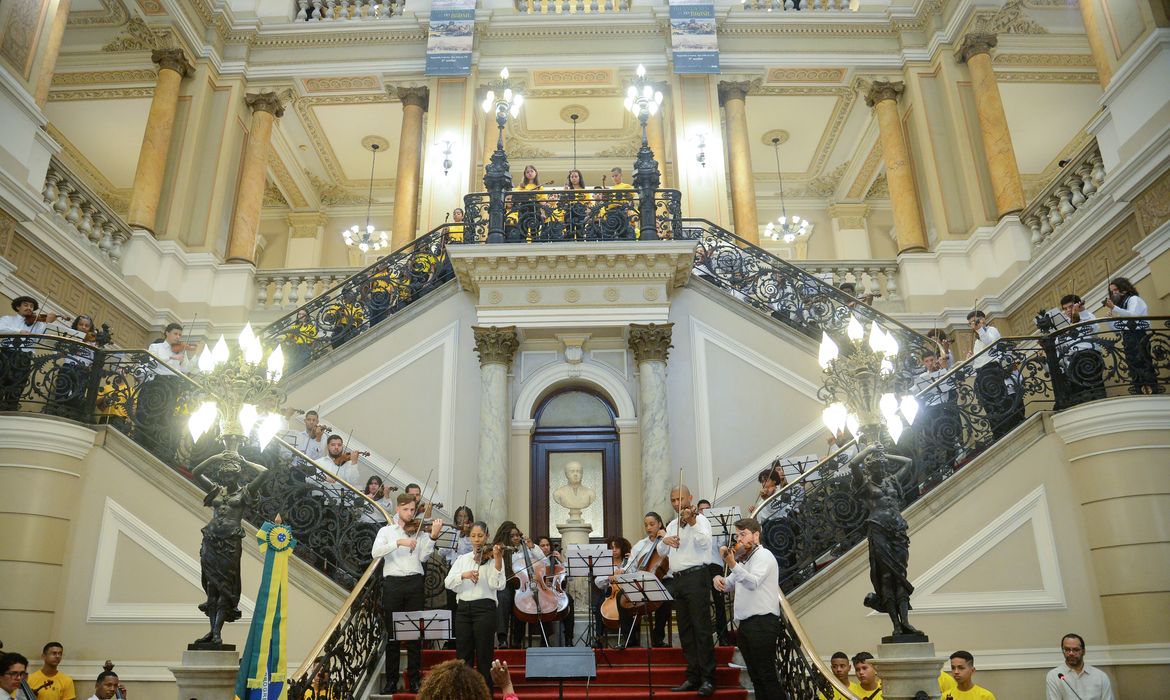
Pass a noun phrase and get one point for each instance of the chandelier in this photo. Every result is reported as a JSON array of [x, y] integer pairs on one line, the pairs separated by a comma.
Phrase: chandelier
[[365, 239], [245, 391], [860, 385], [785, 228]]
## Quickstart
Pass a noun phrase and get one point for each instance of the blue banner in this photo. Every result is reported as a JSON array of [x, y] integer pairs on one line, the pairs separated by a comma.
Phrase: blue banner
[[262, 667], [449, 41], [692, 37]]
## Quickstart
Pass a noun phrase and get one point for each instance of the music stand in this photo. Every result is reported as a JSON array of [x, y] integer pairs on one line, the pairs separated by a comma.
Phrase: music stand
[[590, 561], [422, 625], [559, 663], [642, 588], [722, 524], [447, 538]]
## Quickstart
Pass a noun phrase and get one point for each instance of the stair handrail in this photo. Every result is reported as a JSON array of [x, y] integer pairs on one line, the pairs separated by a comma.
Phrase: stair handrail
[[907, 336], [66, 377], [363, 299], [1047, 373], [789, 622]]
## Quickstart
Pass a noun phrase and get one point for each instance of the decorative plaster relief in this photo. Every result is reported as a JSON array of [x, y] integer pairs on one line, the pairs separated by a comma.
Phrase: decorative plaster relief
[[348, 83], [104, 77]]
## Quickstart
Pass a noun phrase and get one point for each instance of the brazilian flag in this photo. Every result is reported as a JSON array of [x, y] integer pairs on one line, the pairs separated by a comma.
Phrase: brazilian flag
[[263, 666]]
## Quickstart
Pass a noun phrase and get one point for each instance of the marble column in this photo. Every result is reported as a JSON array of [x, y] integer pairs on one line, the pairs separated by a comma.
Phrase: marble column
[[656, 136], [495, 346], [410, 138], [733, 99], [651, 345], [156, 141], [51, 51], [883, 98], [266, 108], [1090, 16], [975, 51]]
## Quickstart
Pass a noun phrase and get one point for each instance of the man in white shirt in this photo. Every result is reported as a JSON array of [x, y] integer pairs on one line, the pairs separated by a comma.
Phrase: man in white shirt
[[18, 352], [937, 429], [755, 578], [179, 360], [347, 471], [309, 440], [995, 389], [107, 687], [13, 669], [1075, 679], [402, 588], [1080, 359], [688, 544]]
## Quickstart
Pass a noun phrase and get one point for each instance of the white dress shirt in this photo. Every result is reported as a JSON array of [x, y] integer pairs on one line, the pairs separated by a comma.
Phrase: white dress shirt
[[602, 582], [347, 472], [177, 361], [491, 579], [1090, 684], [694, 546], [1134, 306], [305, 443], [937, 395], [399, 560], [15, 324], [756, 584], [985, 337]]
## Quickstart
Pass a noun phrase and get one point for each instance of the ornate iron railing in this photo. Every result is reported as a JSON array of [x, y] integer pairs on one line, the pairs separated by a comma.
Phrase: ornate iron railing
[[820, 515], [138, 395], [784, 291], [364, 300], [345, 658], [801, 671], [553, 215]]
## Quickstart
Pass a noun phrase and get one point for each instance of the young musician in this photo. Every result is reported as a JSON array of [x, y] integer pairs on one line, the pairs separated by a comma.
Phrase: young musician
[[475, 578], [998, 403], [515, 545], [571, 207], [49, 683], [620, 548], [309, 440], [17, 353], [506, 623], [755, 578], [555, 569], [687, 543], [340, 462], [1123, 302], [108, 687], [174, 353], [640, 556], [402, 588], [12, 670]]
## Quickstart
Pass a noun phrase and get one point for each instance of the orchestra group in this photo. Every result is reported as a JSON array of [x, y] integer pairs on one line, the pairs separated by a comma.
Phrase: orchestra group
[[506, 589]]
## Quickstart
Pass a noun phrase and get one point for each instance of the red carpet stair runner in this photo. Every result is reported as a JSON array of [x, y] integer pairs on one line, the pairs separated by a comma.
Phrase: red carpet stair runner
[[621, 675]]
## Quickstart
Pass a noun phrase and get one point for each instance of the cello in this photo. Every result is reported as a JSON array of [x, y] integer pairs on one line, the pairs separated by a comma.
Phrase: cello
[[536, 601]]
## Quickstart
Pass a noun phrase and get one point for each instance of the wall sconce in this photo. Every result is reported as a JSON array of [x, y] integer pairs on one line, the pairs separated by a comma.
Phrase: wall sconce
[[448, 146], [700, 148]]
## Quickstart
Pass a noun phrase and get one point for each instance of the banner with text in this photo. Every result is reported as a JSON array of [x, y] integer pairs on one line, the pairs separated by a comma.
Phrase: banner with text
[[692, 37], [452, 31]]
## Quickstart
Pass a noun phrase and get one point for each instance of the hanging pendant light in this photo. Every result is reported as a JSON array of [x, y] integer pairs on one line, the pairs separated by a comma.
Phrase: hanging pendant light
[[786, 228], [365, 238]]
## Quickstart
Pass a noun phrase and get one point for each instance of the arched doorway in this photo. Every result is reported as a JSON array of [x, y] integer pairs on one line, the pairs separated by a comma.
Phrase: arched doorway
[[576, 426]]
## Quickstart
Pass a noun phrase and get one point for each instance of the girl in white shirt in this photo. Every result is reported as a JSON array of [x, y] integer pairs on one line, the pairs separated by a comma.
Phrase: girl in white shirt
[[1124, 302], [475, 577]]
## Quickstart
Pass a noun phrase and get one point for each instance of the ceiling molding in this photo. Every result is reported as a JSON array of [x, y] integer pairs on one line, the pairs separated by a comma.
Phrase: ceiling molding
[[116, 77], [112, 14], [303, 106]]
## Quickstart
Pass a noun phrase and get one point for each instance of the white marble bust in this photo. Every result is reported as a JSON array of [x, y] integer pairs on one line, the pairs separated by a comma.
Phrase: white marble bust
[[574, 496]]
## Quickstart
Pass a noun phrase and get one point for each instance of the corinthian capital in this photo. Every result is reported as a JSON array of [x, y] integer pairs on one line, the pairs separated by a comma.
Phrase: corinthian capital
[[414, 96], [880, 90], [733, 90], [265, 102], [973, 44], [495, 345], [650, 342], [172, 59]]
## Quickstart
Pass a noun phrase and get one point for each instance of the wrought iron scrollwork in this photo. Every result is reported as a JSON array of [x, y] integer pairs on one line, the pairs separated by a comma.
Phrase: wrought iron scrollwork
[[137, 394], [364, 300], [821, 515], [543, 216]]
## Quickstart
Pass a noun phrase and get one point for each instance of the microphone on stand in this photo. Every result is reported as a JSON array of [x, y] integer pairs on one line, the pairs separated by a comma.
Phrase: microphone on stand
[[1061, 677]]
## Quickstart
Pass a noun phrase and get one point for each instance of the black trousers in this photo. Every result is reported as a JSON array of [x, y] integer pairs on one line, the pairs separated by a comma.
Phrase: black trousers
[[692, 602], [1001, 408], [661, 618], [719, 602], [475, 628], [757, 640], [509, 628], [1142, 374], [402, 594], [17, 365]]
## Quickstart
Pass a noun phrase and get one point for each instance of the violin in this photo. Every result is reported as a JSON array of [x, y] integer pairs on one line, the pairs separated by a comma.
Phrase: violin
[[44, 318], [99, 338], [346, 456], [416, 525], [184, 347]]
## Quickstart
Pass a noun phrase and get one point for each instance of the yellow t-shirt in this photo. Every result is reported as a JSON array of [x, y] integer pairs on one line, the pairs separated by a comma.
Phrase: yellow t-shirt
[[975, 693], [945, 682], [836, 694], [62, 688], [857, 690]]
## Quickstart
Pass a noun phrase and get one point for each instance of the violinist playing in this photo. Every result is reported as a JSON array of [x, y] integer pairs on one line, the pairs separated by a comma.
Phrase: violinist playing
[[402, 588], [754, 576], [175, 352], [340, 462], [475, 578], [688, 544], [17, 353]]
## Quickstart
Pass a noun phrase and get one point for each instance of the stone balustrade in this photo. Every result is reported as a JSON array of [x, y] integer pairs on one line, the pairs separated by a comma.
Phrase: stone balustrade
[[876, 277], [288, 289], [343, 10], [800, 5], [571, 7], [1058, 203], [82, 211]]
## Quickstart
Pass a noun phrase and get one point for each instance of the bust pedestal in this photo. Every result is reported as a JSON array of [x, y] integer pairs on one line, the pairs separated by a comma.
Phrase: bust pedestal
[[207, 675], [577, 531], [908, 667]]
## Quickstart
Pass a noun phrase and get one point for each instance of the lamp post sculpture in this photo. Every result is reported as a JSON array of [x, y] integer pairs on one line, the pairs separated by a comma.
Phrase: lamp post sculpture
[[246, 400], [643, 100], [497, 177], [861, 388]]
